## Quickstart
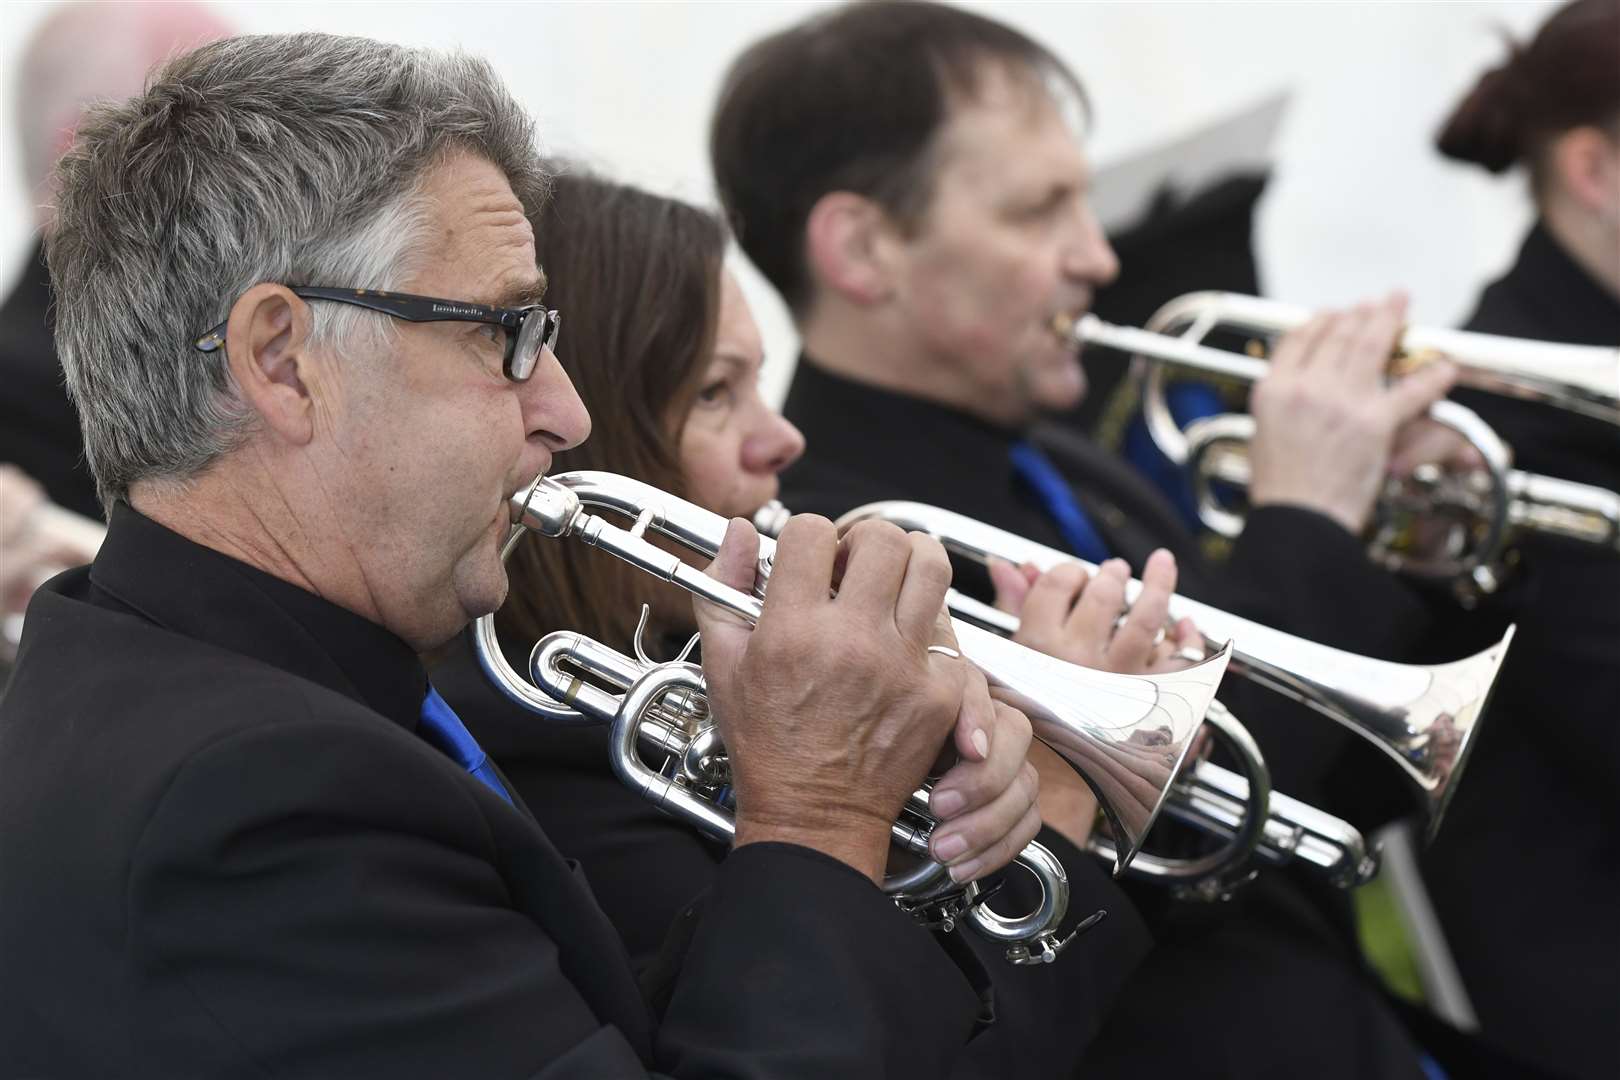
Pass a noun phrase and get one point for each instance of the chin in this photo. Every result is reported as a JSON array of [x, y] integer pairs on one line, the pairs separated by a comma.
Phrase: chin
[[483, 589], [1056, 389]]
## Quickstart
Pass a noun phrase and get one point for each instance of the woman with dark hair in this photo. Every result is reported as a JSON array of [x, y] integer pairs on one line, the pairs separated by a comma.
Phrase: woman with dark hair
[[1526, 876], [666, 355]]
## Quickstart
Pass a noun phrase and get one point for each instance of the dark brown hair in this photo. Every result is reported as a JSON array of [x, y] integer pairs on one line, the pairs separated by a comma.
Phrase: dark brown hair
[[637, 279], [850, 101], [1567, 77]]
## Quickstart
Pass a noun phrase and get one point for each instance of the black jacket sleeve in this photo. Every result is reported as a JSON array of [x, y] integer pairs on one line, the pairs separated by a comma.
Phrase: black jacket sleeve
[[1301, 572], [646, 869]]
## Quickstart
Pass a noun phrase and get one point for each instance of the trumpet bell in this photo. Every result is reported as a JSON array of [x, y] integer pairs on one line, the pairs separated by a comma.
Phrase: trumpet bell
[[1127, 736], [1423, 717]]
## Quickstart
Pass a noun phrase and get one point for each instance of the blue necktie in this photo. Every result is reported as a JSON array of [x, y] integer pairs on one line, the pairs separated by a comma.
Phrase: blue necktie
[[1188, 402], [444, 729], [1042, 476]]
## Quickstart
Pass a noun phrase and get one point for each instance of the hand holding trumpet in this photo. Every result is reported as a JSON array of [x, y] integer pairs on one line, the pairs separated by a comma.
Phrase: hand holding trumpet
[[833, 707], [1074, 615], [1330, 425]]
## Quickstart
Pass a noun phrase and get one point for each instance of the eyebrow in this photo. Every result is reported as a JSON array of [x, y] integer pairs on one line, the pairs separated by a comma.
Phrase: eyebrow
[[736, 362], [529, 293]]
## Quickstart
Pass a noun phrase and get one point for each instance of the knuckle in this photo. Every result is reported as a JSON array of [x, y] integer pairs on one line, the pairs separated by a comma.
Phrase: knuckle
[[804, 527], [877, 534], [1029, 783], [929, 562], [1067, 576], [1013, 725]]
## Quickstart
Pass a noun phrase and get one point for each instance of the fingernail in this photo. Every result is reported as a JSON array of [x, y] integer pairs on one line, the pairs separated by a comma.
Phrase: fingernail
[[981, 743], [946, 803], [966, 872], [949, 847]]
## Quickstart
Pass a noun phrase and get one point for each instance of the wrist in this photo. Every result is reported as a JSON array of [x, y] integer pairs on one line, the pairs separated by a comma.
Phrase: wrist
[[860, 843], [1352, 519]]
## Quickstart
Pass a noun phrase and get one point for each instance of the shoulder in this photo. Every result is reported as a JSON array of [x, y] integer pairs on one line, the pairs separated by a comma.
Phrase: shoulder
[[819, 486]]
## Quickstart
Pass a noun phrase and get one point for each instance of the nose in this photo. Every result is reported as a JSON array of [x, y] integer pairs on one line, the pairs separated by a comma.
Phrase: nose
[[774, 446], [553, 413], [1088, 256]]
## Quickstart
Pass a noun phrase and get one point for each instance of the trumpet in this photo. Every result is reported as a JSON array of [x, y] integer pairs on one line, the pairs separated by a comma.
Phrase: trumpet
[[1437, 524], [1128, 736], [1259, 824], [1422, 717]]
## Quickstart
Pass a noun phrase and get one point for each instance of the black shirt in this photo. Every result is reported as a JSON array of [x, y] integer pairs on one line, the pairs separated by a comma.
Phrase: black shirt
[[39, 427], [1526, 875]]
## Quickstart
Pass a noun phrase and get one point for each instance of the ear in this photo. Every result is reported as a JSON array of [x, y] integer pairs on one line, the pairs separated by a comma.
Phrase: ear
[[851, 246], [267, 343], [1587, 165]]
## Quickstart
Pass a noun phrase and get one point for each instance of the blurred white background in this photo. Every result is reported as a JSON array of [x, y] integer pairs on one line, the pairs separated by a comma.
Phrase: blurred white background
[[1359, 203]]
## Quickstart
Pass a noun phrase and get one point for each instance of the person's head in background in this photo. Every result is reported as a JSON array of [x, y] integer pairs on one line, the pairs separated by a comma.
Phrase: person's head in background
[[910, 177], [1554, 106], [664, 352], [85, 52]]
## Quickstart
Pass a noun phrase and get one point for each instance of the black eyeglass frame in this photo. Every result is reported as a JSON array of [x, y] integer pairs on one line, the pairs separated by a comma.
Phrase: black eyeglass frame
[[517, 364]]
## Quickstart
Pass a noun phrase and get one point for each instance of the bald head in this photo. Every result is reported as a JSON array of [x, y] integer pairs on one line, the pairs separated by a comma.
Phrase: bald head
[[87, 52]]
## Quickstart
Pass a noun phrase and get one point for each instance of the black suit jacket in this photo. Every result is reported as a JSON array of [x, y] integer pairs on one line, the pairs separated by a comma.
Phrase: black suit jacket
[[227, 852], [1271, 984], [1526, 875]]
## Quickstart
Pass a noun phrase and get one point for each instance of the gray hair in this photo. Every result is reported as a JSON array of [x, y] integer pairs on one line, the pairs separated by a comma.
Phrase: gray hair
[[287, 158]]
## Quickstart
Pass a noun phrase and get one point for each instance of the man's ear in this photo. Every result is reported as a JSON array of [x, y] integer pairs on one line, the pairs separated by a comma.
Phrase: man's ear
[[850, 245], [1587, 164], [267, 343]]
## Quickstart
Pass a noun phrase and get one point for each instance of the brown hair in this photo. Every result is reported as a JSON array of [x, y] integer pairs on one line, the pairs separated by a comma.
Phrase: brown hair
[[1567, 77], [637, 279], [851, 101]]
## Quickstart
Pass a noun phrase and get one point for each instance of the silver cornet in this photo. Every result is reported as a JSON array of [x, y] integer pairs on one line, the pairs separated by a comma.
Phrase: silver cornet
[[1128, 736], [1438, 524], [1423, 717]]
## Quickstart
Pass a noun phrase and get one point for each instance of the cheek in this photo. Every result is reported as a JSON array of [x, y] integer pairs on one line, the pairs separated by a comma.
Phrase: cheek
[[978, 302], [712, 467]]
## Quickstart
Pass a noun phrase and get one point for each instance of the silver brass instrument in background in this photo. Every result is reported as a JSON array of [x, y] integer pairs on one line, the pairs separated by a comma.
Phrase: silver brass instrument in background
[[1127, 735], [1423, 717], [1439, 524]]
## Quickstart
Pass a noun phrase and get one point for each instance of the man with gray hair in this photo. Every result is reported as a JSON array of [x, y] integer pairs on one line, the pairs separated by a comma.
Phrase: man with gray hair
[[299, 314], [80, 53]]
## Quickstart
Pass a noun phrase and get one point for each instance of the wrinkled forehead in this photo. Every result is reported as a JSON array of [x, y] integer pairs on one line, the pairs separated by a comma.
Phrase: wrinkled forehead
[[479, 242]]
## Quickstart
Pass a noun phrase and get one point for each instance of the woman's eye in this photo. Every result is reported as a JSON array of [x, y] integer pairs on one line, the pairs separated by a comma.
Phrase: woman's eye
[[715, 393]]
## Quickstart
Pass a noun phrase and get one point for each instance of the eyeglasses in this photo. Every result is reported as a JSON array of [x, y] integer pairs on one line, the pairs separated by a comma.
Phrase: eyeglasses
[[527, 329]]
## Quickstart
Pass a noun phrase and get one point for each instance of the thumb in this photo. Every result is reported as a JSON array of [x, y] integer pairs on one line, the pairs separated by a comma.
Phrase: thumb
[[725, 632], [1010, 584]]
